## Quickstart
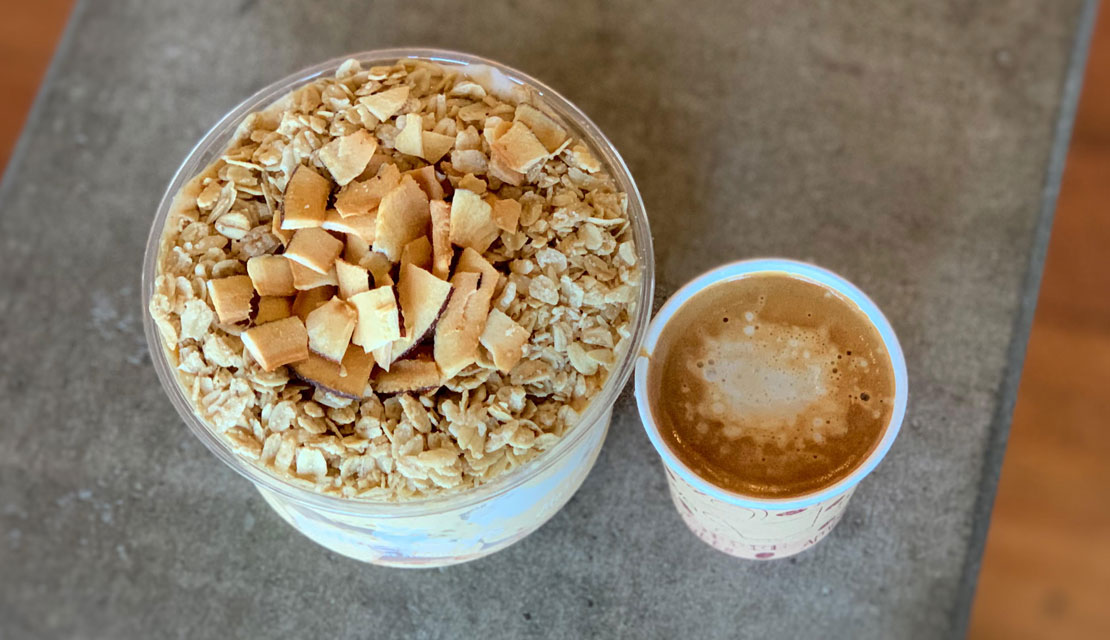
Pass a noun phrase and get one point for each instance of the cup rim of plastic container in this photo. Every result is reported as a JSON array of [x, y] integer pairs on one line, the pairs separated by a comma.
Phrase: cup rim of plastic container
[[805, 271], [213, 143]]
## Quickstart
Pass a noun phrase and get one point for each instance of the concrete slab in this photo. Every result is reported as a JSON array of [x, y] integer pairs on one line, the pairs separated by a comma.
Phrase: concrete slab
[[915, 148]]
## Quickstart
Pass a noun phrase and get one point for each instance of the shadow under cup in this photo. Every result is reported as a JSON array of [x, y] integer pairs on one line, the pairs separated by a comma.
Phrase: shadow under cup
[[765, 528]]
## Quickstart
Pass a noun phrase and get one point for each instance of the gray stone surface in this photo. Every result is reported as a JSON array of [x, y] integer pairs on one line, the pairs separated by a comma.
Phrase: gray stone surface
[[909, 146]]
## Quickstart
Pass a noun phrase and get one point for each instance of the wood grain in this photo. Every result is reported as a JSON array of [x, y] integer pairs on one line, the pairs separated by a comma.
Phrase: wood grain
[[1046, 571], [29, 32]]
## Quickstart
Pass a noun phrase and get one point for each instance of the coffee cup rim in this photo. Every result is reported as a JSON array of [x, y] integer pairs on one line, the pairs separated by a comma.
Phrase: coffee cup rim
[[805, 271]]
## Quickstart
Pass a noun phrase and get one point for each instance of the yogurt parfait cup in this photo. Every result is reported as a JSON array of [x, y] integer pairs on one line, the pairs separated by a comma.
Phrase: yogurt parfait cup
[[437, 530]]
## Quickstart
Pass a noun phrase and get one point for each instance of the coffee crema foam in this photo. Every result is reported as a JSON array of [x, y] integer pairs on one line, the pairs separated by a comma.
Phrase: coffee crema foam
[[774, 386], [771, 386]]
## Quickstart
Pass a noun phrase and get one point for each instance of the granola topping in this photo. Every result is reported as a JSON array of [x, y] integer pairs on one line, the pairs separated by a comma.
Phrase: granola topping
[[397, 282]]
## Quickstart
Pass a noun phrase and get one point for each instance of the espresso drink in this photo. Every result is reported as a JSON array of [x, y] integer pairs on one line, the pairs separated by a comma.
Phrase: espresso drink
[[771, 386]]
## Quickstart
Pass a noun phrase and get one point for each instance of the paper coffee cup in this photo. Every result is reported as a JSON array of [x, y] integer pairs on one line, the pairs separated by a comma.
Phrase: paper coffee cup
[[761, 528]]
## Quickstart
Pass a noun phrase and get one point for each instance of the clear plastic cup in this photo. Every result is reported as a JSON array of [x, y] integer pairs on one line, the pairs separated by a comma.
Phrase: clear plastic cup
[[454, 528], [760, 528]]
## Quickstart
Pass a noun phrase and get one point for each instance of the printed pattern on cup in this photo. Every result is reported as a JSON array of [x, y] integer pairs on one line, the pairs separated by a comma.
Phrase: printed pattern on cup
[[760, 534]]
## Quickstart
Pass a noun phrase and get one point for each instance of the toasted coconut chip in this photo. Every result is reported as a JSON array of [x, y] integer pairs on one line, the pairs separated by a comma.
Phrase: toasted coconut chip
[[356, 249], [468, 139], [362, 226], [504, 339], [435, 145], [426, 178], [231, 298], [272, 308], [378, 163], [271, 275], [285, 235], [305, 278], [346, 157], [442, 253], [505, 214], [329, 329], [423, 298], [307, 301], [417, 252], [478, 306], [348, 379], [386, 103], [472, 183], [580, 156], [314, 248], [408, 376], [472, 262], [379, 267], [471, 221], [277, 343], [457, 333], [362, 198], [495, 128], [379, 320], [306, 199], [410, 140], [383, 355], [352, 278], [403, 216], [547, 131], [498, 169], [518, 148]]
